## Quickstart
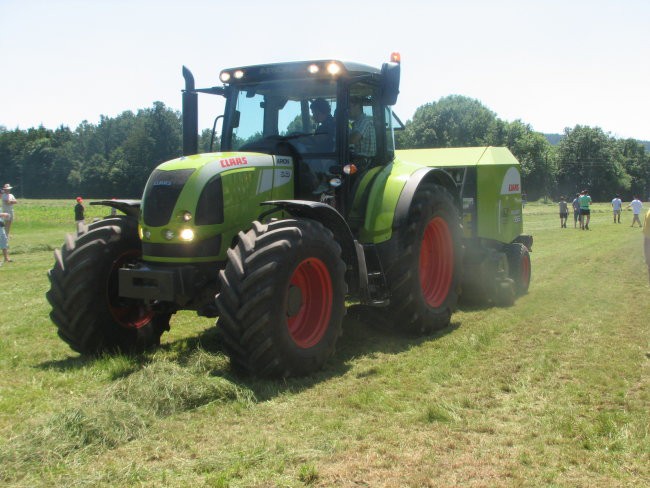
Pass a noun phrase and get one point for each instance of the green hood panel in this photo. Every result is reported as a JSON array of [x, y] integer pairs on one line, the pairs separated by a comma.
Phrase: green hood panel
[[454, 157], [247, 179]]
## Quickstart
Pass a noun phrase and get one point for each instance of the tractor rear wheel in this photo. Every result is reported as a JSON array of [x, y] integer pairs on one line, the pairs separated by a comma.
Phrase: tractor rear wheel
[[423, 264], [282, 298], [86, 308], [520, 269]]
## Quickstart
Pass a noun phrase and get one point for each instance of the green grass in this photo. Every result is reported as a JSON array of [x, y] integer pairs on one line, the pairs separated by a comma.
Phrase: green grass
[[553, 391]]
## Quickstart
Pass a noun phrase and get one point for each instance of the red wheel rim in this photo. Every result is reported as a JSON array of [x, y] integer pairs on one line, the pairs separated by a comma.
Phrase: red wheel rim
[[131, 314], [309, 319], [436, 262], [525, 270]]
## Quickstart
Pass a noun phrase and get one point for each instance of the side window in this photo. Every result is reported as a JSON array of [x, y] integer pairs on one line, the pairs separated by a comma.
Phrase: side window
[[364, 121], [393, 123], [250, 127]]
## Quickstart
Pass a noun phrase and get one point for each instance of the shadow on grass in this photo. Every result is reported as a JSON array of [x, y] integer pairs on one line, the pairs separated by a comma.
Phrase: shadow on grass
[[365, 333], [128, 363]]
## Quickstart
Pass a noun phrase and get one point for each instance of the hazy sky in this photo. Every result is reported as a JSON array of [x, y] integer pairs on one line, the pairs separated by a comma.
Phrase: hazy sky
[[552, 64]]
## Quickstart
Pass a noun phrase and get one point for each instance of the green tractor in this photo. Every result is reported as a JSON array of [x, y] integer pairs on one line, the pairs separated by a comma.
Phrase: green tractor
[[290, 219]]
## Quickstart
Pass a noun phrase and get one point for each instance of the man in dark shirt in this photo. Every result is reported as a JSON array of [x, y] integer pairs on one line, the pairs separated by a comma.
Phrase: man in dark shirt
[[79, 214], [326, 128]]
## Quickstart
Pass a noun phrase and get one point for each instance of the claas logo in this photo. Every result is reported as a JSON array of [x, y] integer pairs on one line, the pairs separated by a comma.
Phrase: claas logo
[[227, 163], [511, 183]]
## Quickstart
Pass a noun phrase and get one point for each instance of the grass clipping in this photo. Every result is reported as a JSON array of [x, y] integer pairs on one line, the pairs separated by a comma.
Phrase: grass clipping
[[124, 413], [165, 388]]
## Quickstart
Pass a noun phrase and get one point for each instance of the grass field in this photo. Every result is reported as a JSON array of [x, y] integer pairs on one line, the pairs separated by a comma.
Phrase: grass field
[[553, 391]]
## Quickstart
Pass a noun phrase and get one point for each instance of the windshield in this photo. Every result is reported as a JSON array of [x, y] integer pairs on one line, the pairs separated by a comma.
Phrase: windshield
[[300, 110]]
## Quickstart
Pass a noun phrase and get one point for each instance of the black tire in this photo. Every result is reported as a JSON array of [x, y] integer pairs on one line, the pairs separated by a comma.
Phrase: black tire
[[423, 263], [520, 268], [487, 278], [86, 308], [282, 298]]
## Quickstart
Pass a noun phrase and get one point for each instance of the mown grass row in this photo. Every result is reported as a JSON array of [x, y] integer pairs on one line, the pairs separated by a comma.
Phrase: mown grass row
[[552, 391]]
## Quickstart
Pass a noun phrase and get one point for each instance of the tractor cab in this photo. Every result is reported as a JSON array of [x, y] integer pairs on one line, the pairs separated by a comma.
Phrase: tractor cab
[[332, 118]]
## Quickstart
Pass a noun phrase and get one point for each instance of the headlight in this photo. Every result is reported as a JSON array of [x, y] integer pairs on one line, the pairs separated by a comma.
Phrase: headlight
[[169, 234], [333, 68], [186, 216], [187, 235]]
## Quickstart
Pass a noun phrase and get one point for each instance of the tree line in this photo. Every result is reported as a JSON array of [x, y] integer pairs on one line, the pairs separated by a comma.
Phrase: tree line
[[114, 158]]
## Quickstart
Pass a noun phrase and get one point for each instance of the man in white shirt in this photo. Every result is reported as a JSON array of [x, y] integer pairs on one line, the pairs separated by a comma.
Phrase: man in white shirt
[[8, 202], [637, 206], [616, 206]]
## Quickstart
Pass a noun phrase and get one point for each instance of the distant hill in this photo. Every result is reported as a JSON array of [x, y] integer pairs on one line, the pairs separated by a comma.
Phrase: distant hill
[[554, 139]]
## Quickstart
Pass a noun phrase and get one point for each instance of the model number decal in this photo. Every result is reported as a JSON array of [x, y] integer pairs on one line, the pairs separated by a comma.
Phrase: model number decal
[[283, 161], [227, 163]]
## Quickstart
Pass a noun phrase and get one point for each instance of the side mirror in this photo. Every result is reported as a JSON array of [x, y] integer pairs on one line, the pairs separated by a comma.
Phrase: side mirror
[[390, 74]]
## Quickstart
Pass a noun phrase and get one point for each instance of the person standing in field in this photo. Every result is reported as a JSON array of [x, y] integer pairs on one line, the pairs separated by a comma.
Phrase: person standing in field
[[576, 210], [8, 202], [616, 207], [637, 206], [79, 214], [646, 240], [564, 212], [585, 212], [3, 238]]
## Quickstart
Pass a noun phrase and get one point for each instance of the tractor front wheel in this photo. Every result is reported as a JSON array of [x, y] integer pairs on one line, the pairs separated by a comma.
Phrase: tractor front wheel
[[86, 308], [282, 298]]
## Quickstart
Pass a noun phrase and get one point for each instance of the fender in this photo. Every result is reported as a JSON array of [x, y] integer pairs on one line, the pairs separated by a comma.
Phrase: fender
[[423, 175], [129, 207], [334, 221]]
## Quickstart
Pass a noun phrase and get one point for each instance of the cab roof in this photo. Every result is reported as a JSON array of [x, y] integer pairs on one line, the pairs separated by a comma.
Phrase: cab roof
[[297, 69]]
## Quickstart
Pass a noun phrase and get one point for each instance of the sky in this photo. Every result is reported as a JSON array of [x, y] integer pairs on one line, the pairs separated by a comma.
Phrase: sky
[[551, 64]]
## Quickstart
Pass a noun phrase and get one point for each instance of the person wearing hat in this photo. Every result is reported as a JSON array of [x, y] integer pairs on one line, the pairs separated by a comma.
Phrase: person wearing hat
[[8, 202], [79, 214]]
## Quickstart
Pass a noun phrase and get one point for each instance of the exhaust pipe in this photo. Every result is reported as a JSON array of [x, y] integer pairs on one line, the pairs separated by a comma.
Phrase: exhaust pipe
[[190, 115]]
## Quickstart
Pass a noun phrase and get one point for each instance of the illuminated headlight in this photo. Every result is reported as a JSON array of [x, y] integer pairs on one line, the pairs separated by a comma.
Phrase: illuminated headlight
[[224, 76], [187, 216], [239, 74], [187, 235], [313, 69], [333, 68], [169, 234]]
